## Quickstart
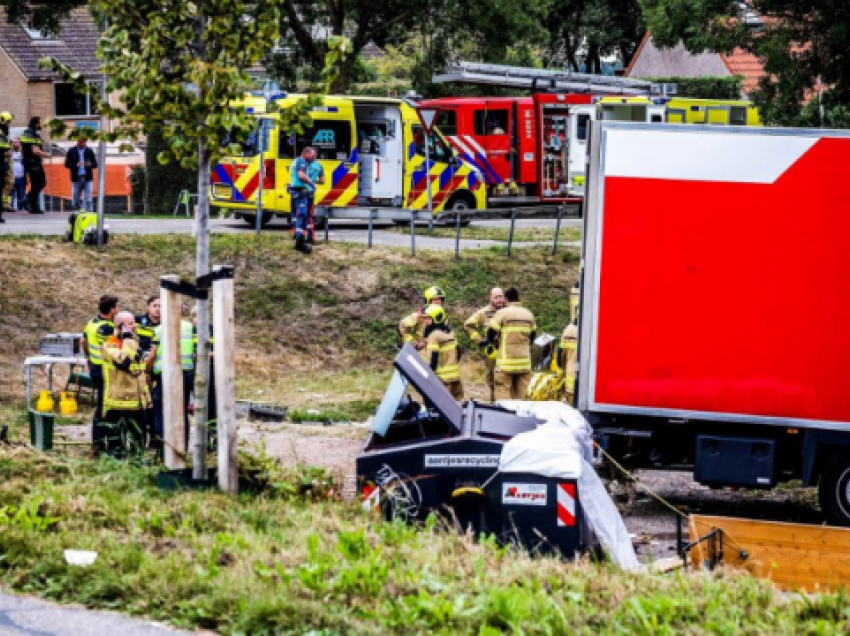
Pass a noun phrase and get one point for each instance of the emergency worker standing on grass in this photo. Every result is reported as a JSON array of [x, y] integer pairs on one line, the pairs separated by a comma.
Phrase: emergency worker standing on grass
[[147, 322], [476, 328], [412, 326], [6, 181], [34, 155], [513, 328], [441, 350], [95, 335], [126, 395], [302, 188]]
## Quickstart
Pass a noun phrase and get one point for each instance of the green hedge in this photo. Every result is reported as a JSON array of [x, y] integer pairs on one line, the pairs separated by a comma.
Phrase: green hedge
[[164, 183], [705, 87]]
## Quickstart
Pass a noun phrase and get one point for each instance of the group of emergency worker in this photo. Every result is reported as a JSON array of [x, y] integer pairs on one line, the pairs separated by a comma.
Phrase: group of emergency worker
[[29, 151], [503, 331], [124, 355]]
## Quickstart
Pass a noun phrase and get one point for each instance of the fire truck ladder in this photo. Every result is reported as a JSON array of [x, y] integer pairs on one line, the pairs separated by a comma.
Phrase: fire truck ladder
[[540, 80]]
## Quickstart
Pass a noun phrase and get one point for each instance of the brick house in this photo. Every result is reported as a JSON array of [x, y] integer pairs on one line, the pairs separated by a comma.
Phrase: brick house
[[29, 90]]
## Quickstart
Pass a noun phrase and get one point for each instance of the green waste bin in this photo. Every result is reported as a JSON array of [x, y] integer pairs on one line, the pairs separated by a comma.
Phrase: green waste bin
[[41, 430]]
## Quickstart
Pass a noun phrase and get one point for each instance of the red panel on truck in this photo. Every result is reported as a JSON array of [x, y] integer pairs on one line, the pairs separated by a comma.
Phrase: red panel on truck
[[725, 276]]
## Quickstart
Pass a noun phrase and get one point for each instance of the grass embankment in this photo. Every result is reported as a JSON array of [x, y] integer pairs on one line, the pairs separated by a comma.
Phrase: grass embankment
[[312, 333], [295, 561], [487, 233]]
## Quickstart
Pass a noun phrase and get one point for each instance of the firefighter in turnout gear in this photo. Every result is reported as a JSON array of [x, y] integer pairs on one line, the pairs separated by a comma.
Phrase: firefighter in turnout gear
[[514, 329], [569, 345], [476, 328], [126, 397], [95, 334], [441, 350], [6, 179], [412, 326]]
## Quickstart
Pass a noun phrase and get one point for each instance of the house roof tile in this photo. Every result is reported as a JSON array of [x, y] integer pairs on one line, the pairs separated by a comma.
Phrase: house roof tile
[[74, 45]]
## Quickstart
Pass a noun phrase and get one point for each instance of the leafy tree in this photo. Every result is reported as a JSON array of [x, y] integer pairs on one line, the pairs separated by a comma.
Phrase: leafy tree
[[598, 28], [45, 16], [440, 29], [179, 65], [800, 42]]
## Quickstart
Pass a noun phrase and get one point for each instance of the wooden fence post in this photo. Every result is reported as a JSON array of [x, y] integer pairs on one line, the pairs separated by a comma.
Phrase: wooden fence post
[[223, 326], [172, 379]]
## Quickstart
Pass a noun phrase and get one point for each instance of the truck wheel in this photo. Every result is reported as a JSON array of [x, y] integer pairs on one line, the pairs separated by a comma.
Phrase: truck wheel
[[251, 220], [834, 490], [461, 201]]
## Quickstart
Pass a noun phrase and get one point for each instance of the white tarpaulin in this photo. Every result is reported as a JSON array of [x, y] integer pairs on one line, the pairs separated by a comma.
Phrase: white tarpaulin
[[561, 448]]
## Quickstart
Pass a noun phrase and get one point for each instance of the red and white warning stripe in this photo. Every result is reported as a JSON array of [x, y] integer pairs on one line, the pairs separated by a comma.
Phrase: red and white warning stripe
[[566, 505]]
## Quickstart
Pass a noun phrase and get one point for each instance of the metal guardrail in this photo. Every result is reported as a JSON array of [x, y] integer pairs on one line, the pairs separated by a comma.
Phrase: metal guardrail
[[454, 216]]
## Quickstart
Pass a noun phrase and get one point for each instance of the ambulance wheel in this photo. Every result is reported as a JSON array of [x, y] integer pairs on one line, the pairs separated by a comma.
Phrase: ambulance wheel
[[252, 220], [462, 201], [834, 490]]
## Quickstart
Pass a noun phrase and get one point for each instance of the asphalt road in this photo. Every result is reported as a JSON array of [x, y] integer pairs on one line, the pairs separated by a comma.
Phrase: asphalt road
[[21, 616], [55, 224]]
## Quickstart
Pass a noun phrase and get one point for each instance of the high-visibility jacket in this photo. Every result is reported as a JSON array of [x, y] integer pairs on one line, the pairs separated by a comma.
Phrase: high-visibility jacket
[[569, 347], [442, 353], [125, 385], [145, 327], [515, 327], [96, 332], [477, 324], [412, 327], [5, 151], [187, 347]]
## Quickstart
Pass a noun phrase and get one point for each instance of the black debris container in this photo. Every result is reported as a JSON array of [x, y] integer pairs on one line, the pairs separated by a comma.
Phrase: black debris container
[[439, 456]]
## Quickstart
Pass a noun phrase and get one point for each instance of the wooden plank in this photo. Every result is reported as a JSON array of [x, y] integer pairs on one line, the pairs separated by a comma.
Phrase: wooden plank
[[223, 324], [172, 379], [794, 556]]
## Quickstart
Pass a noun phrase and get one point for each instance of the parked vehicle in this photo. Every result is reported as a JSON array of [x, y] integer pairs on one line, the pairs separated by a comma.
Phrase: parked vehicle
[[714, 310], [372, 151]]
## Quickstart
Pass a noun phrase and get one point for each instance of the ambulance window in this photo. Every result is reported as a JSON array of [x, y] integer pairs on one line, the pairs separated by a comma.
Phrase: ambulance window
[[437, 148], [330, 138], [656, 118], [247, 143], [582, 122], [447, 122], [738, 116]]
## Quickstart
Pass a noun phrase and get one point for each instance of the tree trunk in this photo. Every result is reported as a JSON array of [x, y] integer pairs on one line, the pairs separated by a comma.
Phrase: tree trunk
[[202, 368], [594, 64]]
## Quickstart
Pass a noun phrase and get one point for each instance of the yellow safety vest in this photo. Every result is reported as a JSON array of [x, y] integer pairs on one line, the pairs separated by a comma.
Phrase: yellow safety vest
[[96, 340], [187, 347]]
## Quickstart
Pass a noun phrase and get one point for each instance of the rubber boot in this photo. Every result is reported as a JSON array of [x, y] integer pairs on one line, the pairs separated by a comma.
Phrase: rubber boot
[[301, 245]]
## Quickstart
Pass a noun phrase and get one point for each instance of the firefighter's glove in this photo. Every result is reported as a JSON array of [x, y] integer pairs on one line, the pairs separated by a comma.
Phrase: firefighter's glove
[[490, 351]]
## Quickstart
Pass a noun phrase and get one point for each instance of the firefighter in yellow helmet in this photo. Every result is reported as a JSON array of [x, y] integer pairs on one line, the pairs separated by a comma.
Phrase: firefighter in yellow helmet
[[569, 345], [441, 349], [514, 329], [6, 180], [412, 326], [476, 328]]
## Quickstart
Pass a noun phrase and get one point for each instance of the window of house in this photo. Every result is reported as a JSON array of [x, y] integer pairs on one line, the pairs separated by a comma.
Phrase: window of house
[[330, 138], [447, 122], [70, 103]]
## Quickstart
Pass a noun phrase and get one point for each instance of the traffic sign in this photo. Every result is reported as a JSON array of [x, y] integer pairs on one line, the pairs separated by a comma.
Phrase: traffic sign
[[427, 117]]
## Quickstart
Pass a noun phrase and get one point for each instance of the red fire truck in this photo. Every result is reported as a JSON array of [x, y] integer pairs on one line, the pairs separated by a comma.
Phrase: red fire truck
[[520, 144]]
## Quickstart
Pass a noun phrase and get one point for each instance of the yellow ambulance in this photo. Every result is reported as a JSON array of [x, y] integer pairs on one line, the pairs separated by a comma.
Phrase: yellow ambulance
[[372, 151]]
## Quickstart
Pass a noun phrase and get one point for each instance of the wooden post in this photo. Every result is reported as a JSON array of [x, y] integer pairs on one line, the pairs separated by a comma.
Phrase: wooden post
[[223, 324], [172, 378]]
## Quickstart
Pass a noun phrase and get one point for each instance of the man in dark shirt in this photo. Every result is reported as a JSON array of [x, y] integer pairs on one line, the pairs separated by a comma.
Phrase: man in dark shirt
[[31, 145], [81, 164]]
